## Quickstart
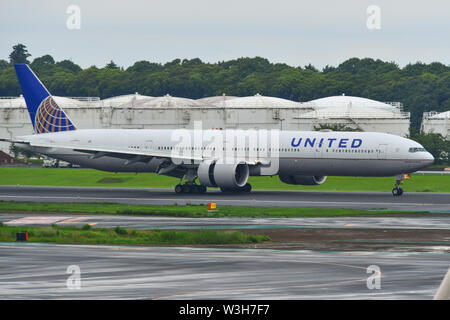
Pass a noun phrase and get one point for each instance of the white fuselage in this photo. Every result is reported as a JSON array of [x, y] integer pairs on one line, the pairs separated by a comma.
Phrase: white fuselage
[[298, 152]]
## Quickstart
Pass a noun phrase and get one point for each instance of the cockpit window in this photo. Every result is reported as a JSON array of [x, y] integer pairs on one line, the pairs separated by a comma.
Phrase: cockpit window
[[417, 150]]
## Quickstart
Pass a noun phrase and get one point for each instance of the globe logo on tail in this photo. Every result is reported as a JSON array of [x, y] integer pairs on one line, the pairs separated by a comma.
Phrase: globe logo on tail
[[50, 118]]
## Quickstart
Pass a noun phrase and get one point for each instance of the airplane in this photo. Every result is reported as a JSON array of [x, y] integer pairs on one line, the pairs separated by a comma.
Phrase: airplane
[[297, 157]]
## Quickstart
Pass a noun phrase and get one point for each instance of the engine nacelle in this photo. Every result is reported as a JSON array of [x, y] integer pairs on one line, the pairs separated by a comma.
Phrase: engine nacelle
[[205, 173], [230, 176], [303, 180]]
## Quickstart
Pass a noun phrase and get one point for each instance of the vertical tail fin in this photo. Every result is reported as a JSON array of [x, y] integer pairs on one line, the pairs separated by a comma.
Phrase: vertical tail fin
[[46, 115]]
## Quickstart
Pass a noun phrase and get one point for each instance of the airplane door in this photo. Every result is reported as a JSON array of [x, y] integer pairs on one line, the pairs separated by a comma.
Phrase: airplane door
[[318, 148], [318, 152], [382, 149], [148, 145]]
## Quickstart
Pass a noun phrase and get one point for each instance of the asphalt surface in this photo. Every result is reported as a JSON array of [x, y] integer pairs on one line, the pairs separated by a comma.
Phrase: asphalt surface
[[148, 223], [38, 271], [437, 202]]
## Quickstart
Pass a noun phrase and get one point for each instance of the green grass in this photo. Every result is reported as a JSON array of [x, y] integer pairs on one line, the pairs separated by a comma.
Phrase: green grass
[[193, 211], [94, 178], [439, 166], [119, 235]]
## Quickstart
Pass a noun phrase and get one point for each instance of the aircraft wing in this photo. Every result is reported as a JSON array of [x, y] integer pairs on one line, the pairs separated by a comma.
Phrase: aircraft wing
[[14, 141], [131, 156]]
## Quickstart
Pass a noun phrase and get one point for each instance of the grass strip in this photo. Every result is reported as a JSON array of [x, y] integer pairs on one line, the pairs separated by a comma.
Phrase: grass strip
[[192, 211], [122, 236]]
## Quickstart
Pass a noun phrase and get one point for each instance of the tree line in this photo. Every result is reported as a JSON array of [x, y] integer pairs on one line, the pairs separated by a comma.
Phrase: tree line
[[420, 87]]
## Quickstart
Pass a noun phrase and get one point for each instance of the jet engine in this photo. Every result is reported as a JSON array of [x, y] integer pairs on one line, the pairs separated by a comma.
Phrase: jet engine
[[303, 180], [228, 176]]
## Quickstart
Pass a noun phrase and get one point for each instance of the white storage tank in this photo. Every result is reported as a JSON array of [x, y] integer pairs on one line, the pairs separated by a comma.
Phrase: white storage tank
[[434, 122], [357, 113]]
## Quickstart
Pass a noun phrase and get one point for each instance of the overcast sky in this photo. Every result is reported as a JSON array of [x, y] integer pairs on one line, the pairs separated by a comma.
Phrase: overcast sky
[[295, 32]]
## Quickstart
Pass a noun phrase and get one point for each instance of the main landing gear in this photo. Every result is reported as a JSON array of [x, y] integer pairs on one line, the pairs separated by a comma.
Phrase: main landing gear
[[195, 188], [190, 188], [397, 191]]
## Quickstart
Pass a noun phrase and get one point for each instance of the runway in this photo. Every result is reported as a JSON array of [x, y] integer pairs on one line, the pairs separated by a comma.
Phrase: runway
[[150, 222], [38, 271], [410, 269], [436, 202]]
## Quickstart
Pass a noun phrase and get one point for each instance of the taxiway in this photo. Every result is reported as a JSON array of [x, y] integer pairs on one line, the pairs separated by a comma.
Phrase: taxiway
[[438, 202]]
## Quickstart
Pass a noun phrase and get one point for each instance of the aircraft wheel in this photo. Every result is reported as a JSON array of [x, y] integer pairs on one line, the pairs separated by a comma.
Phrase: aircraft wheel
[[247, 188], [178, 188], [397, 192]]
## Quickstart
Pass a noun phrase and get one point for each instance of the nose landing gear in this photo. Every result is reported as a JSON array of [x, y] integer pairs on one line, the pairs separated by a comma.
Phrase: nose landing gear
[[397, 191]]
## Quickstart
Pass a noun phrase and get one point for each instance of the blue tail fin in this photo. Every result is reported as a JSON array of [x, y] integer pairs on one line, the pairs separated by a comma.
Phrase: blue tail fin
[[45, 114]]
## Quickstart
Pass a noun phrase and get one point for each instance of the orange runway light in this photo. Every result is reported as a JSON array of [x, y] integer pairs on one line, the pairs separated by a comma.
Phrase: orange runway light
[[211, 205]]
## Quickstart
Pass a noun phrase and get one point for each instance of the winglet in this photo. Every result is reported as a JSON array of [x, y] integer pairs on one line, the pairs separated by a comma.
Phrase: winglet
[[46, 115]]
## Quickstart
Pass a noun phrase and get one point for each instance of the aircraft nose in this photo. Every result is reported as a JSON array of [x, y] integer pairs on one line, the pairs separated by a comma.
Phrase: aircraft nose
[[428, 158]]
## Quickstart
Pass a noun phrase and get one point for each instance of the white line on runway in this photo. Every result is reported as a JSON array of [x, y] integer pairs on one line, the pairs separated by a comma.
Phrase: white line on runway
[[36, 220]]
